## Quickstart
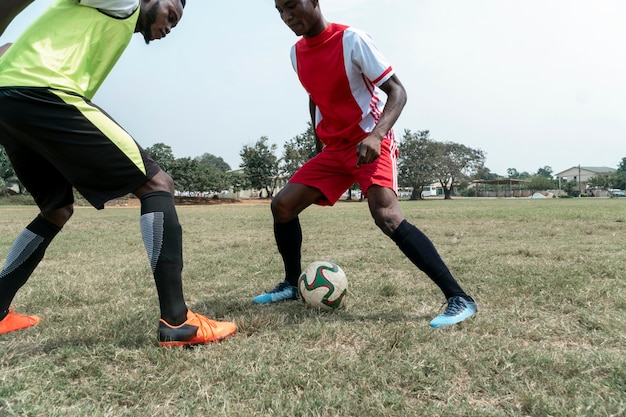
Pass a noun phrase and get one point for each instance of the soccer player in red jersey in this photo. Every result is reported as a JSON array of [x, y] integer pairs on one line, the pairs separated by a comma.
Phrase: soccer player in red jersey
[[355, 97]]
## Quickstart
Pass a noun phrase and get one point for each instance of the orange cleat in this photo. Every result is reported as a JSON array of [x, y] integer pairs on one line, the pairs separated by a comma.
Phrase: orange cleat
[[197, 330], [14, 321]]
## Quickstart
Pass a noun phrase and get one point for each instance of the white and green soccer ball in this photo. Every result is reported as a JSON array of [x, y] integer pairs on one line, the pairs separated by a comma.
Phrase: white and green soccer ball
[[324, 285]]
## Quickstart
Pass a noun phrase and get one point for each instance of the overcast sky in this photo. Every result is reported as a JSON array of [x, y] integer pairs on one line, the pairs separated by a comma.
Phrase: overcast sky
[[532, 83]]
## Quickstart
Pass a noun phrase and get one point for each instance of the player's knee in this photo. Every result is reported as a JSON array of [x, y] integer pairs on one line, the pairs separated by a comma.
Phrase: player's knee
[[280, 209], [163, 181], [387, 222], [59, 216], [160, 182]]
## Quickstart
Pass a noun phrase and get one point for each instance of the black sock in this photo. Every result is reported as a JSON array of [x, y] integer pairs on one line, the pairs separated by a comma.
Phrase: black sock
[[25, 254], [420, 250], [162, 237], [289, 241]]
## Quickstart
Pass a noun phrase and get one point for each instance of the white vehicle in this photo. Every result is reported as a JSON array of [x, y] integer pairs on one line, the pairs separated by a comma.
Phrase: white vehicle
[[429, 191]]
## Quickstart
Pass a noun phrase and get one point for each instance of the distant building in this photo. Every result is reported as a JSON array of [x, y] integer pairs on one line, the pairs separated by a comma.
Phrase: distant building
[[581, 175]]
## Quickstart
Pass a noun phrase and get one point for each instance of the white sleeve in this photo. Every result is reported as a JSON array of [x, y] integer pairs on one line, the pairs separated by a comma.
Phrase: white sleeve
[[117, 8], [367, 57]]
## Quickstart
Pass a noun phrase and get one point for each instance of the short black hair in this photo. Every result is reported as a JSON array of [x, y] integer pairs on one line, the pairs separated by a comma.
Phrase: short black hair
[[183, 2]]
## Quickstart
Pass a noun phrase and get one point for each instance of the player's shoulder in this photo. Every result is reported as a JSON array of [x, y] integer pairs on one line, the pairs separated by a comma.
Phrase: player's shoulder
[[356, 33], [118, 8]]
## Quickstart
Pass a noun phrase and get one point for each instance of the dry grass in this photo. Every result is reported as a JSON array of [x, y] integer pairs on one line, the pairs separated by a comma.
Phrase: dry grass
[[549, 339]]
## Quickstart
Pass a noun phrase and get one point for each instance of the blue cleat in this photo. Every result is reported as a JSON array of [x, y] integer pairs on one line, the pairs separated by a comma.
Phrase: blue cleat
[[283, 291], [458, 309]]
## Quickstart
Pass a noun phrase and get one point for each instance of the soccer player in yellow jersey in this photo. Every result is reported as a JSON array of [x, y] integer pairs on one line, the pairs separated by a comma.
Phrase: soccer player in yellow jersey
[[57, 140]]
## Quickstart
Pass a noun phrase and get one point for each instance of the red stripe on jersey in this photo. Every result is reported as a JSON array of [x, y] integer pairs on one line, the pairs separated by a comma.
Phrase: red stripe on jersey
[[383, 75]]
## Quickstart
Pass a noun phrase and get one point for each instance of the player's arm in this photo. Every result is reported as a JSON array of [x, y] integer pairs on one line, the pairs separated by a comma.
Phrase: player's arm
[[312, 109], [368, 149], [9, 9]]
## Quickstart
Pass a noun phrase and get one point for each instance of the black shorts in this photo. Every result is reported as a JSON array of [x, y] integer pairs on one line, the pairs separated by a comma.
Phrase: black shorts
[[57, 140]]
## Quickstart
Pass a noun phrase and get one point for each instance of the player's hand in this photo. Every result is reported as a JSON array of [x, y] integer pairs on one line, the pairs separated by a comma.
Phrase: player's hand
[[367, 151]]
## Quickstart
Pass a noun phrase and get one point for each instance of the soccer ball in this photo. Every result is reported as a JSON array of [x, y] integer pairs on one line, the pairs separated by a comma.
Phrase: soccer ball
[[323, 284]]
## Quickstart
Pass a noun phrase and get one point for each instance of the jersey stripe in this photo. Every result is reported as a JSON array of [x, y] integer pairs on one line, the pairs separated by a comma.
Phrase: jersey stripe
[[118, 136]]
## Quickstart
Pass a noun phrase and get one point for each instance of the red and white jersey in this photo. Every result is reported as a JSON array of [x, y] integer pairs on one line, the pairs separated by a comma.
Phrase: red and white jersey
[[341, 69]]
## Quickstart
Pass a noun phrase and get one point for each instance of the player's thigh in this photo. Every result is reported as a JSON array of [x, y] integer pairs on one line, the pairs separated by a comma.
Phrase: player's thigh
[[87, 147], [327, 172], [44, 182], [384, 207], [292, 200]]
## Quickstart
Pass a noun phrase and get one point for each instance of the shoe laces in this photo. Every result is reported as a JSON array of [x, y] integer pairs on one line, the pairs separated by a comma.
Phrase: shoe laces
[[280, 287], [206, 324], [455, 306]]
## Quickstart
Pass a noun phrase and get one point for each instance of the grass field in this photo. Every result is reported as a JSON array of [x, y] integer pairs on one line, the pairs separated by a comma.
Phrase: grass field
[[549, 338]]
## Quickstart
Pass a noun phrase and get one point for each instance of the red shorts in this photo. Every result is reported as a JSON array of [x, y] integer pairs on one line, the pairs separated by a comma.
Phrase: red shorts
[[333, 171]]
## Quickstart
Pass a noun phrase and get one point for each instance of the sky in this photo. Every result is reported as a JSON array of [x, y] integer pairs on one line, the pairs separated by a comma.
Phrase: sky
[[531, 83]]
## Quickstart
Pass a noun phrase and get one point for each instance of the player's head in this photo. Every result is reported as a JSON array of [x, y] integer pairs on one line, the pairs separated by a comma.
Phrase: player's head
[[304, 17], [158, 17]]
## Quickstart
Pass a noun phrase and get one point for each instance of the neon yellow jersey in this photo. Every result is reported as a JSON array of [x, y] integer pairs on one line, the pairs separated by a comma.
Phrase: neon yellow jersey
[[70, 47]]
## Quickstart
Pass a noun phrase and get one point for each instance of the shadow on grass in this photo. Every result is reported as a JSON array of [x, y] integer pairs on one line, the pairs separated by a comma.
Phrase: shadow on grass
[[254, 318], [139, 331]]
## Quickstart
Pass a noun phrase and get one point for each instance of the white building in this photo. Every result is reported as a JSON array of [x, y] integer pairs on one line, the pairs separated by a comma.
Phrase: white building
[[581, 175]]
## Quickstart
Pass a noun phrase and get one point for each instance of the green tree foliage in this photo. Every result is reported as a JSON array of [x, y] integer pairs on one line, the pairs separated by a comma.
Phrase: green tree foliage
[[261, 166], [416, 164], [203, 174], [162, 155], [454, 162], [612, 180], [7, 174], [540, 183], [512, 173], [213, 161], [423, 161], [297, 151], [515, 174], [191, 176], [569, 187], [6, 170], [545, 172], [484, 173], [600, 181]]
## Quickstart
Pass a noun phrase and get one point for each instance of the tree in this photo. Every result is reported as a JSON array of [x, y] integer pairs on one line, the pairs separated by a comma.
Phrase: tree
[[186, 175], [600, 181], [162, 155], [261, 166], [297, 151], [540, 183], [6, 169], [569, 187], [7, 174], [512, 173], [213, 161], [545, 172], [484, 173], [454, 162], [416, 162]]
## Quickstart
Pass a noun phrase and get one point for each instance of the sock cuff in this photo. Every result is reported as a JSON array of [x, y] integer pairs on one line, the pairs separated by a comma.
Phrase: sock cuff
[[401, 231], [156, 201], [156, 194], [293, 222], [42, 227]]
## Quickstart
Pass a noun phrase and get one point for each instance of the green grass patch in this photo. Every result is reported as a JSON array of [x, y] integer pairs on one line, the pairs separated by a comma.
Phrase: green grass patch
[[549, 338]]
